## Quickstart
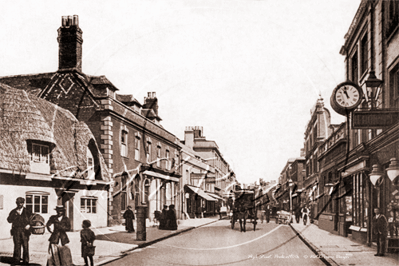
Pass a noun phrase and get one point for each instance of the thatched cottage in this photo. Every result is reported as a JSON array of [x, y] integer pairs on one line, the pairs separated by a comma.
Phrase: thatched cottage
[[142, 156], [49, 157]]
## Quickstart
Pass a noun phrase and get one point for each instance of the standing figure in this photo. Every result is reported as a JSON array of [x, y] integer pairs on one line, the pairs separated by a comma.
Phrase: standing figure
[[267, 213], [87, 238], [380, 229], [129, 217], [305, 213], [20, 218], [162, 221], [59, 254], [262, 214], [171, 218], [297, 214]]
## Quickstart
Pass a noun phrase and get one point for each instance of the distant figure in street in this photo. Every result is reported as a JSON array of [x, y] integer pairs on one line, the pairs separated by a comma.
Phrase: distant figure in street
[[305, 214], [128, 215], [262, 214], [267, 213], [60, 254], [380, 229], [297, 214], [20, 218], [87, 238], [171, 223], [162, 221]]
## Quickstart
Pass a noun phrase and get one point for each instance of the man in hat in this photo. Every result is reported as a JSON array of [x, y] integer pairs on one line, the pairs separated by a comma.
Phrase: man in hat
[[61, 226], [128, 215], [20, 219], [380, 229]]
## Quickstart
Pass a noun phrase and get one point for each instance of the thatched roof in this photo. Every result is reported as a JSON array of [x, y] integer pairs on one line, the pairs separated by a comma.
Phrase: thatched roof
[[25, 117]]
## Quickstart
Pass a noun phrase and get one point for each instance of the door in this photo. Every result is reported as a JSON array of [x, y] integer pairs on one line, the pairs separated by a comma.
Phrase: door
[[67, 201]]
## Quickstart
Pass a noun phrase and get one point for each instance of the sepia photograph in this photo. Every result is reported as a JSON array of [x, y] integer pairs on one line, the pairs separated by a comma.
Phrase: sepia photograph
[[202, 132]]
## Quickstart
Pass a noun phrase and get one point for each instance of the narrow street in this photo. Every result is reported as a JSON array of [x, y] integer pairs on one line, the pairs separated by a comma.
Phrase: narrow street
[[218, 244]]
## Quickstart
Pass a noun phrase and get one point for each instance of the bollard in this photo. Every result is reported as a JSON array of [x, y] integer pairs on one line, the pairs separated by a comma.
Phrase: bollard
[[141, 227]]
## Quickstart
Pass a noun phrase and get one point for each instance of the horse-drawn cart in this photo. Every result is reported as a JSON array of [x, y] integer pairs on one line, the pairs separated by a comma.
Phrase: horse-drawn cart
[[243, 208]]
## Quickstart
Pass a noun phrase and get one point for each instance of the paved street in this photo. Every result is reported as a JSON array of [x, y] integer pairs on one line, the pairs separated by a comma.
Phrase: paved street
[[218, 244]]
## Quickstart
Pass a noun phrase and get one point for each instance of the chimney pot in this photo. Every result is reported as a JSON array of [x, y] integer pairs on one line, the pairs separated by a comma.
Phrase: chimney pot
[[154, 94], [75, 20], [64, 21], [149, 94], [70, 20]]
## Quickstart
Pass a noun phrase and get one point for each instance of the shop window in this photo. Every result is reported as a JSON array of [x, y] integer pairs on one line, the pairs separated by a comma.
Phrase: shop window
[[359, 200], [37, 202], [88, 205]]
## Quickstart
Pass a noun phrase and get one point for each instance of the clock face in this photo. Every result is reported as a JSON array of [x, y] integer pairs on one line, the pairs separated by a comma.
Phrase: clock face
[[347, 96]]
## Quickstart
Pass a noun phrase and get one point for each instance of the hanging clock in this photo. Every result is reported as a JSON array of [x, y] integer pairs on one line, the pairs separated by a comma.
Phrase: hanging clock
[[346, 97]]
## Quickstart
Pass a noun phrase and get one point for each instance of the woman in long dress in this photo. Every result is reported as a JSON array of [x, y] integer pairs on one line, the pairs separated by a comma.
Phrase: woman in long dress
[[129, 217]]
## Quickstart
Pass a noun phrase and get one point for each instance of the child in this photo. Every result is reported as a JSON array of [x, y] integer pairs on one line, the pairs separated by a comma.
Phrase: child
[[87, 238]]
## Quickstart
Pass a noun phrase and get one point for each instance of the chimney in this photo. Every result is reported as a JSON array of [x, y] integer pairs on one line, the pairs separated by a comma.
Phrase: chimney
[[189, 137], [151, 102], [70, 44]]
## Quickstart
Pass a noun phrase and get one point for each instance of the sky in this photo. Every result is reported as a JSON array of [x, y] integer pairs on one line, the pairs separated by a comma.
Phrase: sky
[[247, 71]]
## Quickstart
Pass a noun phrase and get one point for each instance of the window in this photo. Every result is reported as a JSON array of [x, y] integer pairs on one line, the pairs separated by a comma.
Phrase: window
[[124, 192], [148, 152], [40, 153], [37, 202], [167, 166], [158, 156], [364, 55], [90, 165], [124, 143], [88, 205], [354, 69], [394, 87], [360, 204], [137, 148], [393, 17]]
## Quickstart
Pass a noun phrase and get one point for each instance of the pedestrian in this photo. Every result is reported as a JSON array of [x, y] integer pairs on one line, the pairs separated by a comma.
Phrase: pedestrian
[[171, 223], [297, 214], [59, 254], [128, 215], [162, 221], [267, 213], [87, 238], [305, 214], [262, 214], [20, 220], [380, 229]]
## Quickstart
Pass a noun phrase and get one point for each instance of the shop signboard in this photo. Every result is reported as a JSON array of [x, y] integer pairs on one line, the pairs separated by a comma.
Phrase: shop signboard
[[374, 119]]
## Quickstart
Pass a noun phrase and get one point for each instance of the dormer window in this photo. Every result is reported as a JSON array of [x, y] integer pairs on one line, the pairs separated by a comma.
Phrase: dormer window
[[39, 156]]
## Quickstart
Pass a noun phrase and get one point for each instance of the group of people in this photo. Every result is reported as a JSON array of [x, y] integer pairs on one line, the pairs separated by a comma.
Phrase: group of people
[[57, 225], [303, 212], [167, 219]]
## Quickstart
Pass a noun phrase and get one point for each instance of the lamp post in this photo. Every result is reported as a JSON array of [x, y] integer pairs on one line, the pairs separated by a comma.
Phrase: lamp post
[[291, 186], [373, 89]]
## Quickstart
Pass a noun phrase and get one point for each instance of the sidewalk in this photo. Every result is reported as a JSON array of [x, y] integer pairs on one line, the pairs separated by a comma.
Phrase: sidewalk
[[111, 243], [339, 250]]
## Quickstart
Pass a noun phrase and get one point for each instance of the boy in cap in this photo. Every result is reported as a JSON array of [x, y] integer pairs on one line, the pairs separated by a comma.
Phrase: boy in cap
[[20, 219]]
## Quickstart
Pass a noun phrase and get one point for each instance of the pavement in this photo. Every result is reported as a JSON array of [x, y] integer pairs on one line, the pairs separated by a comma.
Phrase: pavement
[[111, 243], [338, 250]]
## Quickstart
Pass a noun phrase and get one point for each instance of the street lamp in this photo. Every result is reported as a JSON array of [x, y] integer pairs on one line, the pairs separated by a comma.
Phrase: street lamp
[[373, 89], [375, 174], [291, 186], [393, 169]]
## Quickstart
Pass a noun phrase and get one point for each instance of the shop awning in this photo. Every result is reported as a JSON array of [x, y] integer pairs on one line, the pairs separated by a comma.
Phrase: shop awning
[[215, 196], [202, 193], [166, 177]]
